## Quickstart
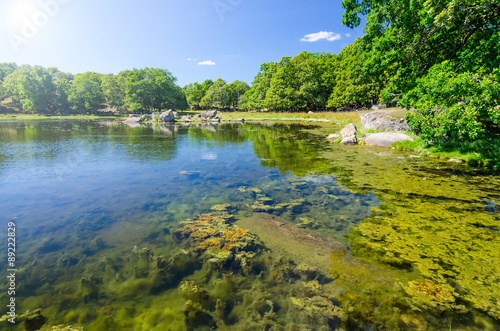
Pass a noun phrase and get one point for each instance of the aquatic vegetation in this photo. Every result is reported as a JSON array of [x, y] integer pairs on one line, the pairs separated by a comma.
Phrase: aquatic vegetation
[[221, 207], [240, 278], [446, 247], [253, 248], [435, 225], [32, 320]]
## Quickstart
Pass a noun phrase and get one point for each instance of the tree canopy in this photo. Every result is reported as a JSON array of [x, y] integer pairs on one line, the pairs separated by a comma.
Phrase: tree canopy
[[86, 93], [440, 57], [196, 91], [48, 90]]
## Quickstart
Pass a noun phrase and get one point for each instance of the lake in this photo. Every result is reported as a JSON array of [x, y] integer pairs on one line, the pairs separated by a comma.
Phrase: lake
[[242, 227]]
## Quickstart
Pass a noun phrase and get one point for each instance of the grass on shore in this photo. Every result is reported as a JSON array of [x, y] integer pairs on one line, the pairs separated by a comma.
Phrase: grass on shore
[[339, 118]]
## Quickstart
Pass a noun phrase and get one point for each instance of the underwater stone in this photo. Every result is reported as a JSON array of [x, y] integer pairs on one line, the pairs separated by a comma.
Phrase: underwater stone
[[32, 320], [195, 316], [305, 271]]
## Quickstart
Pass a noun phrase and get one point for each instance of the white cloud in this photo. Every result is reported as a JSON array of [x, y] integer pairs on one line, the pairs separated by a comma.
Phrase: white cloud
[[190, 59], [206, 63], [330, 36], [347, 35]]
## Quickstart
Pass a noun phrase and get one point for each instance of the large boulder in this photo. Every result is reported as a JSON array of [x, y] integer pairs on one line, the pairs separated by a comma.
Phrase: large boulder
[[167, 116], [133, 119], [385, 139], [349, 135], [209, 115], [392, 120], [349, 140]]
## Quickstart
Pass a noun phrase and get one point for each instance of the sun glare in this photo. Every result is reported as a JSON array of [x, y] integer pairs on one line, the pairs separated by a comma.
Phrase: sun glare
[[18, 12]]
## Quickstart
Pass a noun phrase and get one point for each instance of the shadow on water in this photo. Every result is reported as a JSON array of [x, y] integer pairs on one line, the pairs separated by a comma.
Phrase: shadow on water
[[250, 226]]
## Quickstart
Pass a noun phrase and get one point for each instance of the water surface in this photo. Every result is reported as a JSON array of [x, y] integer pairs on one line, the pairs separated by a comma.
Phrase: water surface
[[102, 238]]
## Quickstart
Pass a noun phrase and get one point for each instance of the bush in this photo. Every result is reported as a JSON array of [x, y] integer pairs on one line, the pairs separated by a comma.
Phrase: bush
[[451, 106]]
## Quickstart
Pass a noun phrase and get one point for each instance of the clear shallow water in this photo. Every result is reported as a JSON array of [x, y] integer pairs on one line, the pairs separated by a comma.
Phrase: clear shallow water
[[85, 193]]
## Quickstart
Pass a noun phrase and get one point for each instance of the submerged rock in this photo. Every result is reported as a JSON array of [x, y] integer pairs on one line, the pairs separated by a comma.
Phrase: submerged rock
[[32, 320], [385, 139]]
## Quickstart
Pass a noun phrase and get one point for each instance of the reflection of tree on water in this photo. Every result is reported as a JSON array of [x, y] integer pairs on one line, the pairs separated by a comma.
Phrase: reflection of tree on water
[[287, 148], [218, 133], [284, 147]]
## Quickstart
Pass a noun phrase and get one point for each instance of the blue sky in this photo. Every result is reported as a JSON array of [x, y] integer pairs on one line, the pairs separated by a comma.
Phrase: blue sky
[[194, 39]]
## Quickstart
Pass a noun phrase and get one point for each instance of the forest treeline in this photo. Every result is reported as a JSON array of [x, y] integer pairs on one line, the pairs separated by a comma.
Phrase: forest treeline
[[48, 90], [306, 82]]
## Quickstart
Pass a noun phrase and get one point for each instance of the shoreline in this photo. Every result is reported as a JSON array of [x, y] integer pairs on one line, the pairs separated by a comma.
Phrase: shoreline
[[470, 159]]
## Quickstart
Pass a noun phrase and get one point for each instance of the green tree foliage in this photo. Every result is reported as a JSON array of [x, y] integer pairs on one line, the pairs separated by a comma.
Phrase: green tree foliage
[[62, 82], [218, 95], [86, 93], [351, 87], [113, 87], [195, 92], [404, 39], [298, 84], [5, 70], [442, 57], [453, 106], [237, 90], [32, 87], [262, 82], [152, 89]]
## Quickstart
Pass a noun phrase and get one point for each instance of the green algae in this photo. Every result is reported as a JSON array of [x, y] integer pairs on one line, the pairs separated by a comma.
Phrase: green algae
[[433, 223]]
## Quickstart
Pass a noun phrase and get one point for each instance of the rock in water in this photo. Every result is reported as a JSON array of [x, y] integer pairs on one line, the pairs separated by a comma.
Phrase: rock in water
[[350, 140], [349, 135], [385, 139], [209, 115], [167, 116], [133, 119], [349, 130]]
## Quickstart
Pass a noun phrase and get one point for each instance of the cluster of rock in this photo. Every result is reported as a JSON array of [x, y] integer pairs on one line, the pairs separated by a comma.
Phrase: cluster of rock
[[376, 120], [166, 116], [382, 139], [171, 116]]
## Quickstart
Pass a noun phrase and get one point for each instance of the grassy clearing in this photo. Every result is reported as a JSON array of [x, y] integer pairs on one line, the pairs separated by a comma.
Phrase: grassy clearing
[[339, 118]]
